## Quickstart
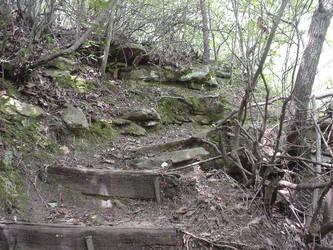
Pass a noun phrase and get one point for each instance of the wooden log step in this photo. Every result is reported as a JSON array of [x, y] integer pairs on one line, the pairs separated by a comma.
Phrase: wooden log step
[[128, 184], [31, 236]]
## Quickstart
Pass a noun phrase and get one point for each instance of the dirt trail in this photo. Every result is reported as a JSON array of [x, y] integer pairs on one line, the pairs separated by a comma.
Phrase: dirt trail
[[206, 207]]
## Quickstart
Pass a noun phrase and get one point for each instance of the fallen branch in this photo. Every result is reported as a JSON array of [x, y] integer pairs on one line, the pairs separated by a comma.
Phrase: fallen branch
[[302, 186]]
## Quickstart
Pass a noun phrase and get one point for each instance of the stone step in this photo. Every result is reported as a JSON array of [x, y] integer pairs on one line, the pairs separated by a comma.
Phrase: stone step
[[33, 236], [108, 183]]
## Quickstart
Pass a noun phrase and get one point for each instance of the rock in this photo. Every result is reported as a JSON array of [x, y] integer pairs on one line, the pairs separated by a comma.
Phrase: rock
[[74, 118], [142, 116], [150, 74], [14, 106], [174, 157], [59, 77], [184, 109], [188, 154], [121, 122], [222, 74], [212, 82], [144, 74], [133, 129], [198, 74], [154, 162], [63, 64], [149, 124]]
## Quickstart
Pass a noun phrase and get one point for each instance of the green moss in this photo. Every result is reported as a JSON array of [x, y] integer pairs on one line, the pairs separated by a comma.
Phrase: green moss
[[103, 129], [76, 82], [24, 133], [174, 110]]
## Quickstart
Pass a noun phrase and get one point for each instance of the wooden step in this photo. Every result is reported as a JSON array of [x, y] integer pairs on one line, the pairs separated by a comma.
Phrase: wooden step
[[31, 236], [128, 184]]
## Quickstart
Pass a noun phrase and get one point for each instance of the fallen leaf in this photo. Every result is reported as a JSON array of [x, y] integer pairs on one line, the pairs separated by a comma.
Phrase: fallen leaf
[[62, 211], [181, 210], [217, 197], [53, 204]]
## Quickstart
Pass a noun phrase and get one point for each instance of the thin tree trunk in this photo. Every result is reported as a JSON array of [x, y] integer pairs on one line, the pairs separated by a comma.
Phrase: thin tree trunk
[[108, 38], [205, 32], [306, 74]]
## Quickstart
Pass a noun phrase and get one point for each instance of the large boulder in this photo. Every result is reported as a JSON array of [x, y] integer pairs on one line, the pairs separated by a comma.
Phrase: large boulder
[[74, 118], [14, 106]]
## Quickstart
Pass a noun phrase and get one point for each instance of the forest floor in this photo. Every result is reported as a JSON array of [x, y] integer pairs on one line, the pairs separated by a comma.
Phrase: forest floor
[[207, 206]]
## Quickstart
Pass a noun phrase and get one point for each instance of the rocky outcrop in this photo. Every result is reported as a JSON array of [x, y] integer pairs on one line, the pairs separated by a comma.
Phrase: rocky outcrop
[[195, 77]]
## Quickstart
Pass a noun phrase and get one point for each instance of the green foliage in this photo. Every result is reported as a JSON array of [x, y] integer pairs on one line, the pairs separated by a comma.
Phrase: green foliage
[[99, 3]]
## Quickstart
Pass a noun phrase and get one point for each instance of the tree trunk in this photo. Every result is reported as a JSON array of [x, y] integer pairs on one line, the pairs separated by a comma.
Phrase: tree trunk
[[108, 38], [205, 32], [306, 74]]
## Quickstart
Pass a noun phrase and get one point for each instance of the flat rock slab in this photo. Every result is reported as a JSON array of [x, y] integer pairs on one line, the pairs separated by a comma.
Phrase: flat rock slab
[[175, 157], [31, 236], [128, 184]]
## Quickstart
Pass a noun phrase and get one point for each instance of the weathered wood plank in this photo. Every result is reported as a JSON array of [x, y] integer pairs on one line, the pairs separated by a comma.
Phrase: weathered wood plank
[[130, 184], [30, 236]]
